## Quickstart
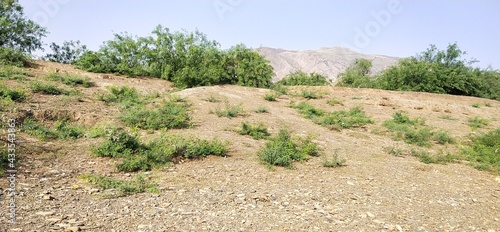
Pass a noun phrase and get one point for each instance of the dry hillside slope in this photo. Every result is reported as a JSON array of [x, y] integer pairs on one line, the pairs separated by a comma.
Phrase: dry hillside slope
[[327, 61], [375, 191]]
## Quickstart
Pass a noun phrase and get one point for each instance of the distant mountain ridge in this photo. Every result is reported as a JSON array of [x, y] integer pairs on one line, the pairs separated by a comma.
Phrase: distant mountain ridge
[[328, 61]]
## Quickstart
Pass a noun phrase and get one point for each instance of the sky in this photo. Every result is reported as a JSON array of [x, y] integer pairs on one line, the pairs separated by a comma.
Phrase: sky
[[399, 28]]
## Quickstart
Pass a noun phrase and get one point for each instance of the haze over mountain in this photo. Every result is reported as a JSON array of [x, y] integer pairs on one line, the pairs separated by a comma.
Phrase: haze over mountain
[[328, 61]]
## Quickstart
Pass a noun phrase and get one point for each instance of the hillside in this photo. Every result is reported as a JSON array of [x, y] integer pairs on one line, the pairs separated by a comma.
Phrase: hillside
[[327, 61], [383, 186]]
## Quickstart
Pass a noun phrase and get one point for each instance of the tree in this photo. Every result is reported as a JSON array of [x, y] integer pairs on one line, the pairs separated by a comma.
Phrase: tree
[[357, 75], [16, 31], [301, 78], [247, 67], [68, 53]]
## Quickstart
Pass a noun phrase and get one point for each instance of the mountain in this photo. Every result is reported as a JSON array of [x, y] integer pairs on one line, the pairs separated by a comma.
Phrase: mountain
[[328, 61]]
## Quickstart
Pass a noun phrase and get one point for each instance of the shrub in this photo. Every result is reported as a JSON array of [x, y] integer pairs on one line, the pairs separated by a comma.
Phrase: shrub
[[476, 105], [258, 131], [34, 128], [230, 111], [119, 143], [4, 159], [477, 122], [356, 76], [355, 117], [309, 94], [13, 57], [68, 53], [261, 109], [334, 101], [16, 95], [302, 78], [127, 187], [411, 131], [308, 111], [335, 162], [46, 88], [212, 98], [13, 72], [169, 115], [442, 137], [484, 151], [125, 96], [72, 80], [282, 150], [65, 130], [270, 96]]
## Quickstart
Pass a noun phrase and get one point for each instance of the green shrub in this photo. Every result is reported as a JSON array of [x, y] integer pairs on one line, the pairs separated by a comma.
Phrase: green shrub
[[212, 98], [477, 122], [261, 109], [65, 130], [309, 94], [16, 95], [442, 137], [72, 80], [355, 117], [13, 57], [427, 158], [302, 78], [335, 162], [484, 151], [47, 88], [124, 96], [414, 131], [127, 187], [13, 73], [307, 110], [282, 150], [258, 131], [34, 128], [476, 105], [334, 101], [119, 143], [356, 75], [270, 96], [230, 111], [169, 115]]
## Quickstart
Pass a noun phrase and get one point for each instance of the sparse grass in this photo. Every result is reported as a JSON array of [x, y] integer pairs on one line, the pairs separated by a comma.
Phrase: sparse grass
[[335, 162], [338, 120], [271, 96], [282, 150], [279, 88], [427, 158], [63, 129], [394, 151], [484, 151], [357, 98], [448, 117], [488, 104], [49, 89], [10, 96], [169, 115], [477, 122], [212, 98], [258, 131], [261, 110], [307, 110], [476, 105], [125, 97], [229, 111], [138, 185], [13, 73], [334, 101], [71, 80], [309, 94], [100, 130], [442, 137]]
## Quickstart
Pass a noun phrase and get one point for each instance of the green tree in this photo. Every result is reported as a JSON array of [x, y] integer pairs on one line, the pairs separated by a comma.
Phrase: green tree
[[16, 31], [356, 75], [247, 67], [68, 53], [301, 78]]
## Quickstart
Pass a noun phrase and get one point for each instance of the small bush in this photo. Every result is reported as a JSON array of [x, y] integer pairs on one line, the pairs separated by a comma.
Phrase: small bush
[[13, 57], [282, 150], [34, 128], [413, 131], [119, 143], [335, 162], [334, 101], [309, 94], [442, 137], [127, 187], [13, 73], [16, 95], [355, 117], [212, 98], [476, 105], [230, 111], [279, 88], [169, 115], [4, 159], [477, 122], [49, 89], [308, 111], [261, 109], [124, 96], [302, 78], [71, 80], [258, 131], [484, 151], [270, 96], [65, 130], [427, 158]]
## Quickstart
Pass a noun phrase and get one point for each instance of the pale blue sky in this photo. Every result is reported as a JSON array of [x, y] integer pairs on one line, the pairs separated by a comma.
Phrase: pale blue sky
[[403, 27]]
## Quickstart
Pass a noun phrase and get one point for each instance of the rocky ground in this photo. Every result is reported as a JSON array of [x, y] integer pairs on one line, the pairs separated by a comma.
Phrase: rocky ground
[[375, 191]]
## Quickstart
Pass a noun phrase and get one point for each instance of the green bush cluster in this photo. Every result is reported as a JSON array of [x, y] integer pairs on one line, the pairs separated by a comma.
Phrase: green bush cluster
[[158, 152], [431, 71], [10, 72], [12, 95], [62, 129], [302, 78], [414, 131], [71, 80], [258, 131], [186, 59], [229, 111], [169, 115], [484, 151], [49, 89], [282, 150], [137, 185], [337, 120], [477, 122]]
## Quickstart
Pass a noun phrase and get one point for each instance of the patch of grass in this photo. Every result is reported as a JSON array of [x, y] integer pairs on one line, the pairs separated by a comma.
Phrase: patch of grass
[[13, 73], [427, 158], [335, 162], [125, 97], [100, 130], [309, 94], [442, 137], [261, 110], [138, 185], [334, 101], [448, 117], [71, 80], [119, 144], [394, 151], [63, 129], [414, 131], [212, 98], [279, 88], [282, 150], [357, 98], [484, 151], [49, 89], [477, 122], [169, 115], [488, 104], [338, 120], [258, 131], [229, 111], [307, 110], [12, 95], [270, 96], [476, 105]]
